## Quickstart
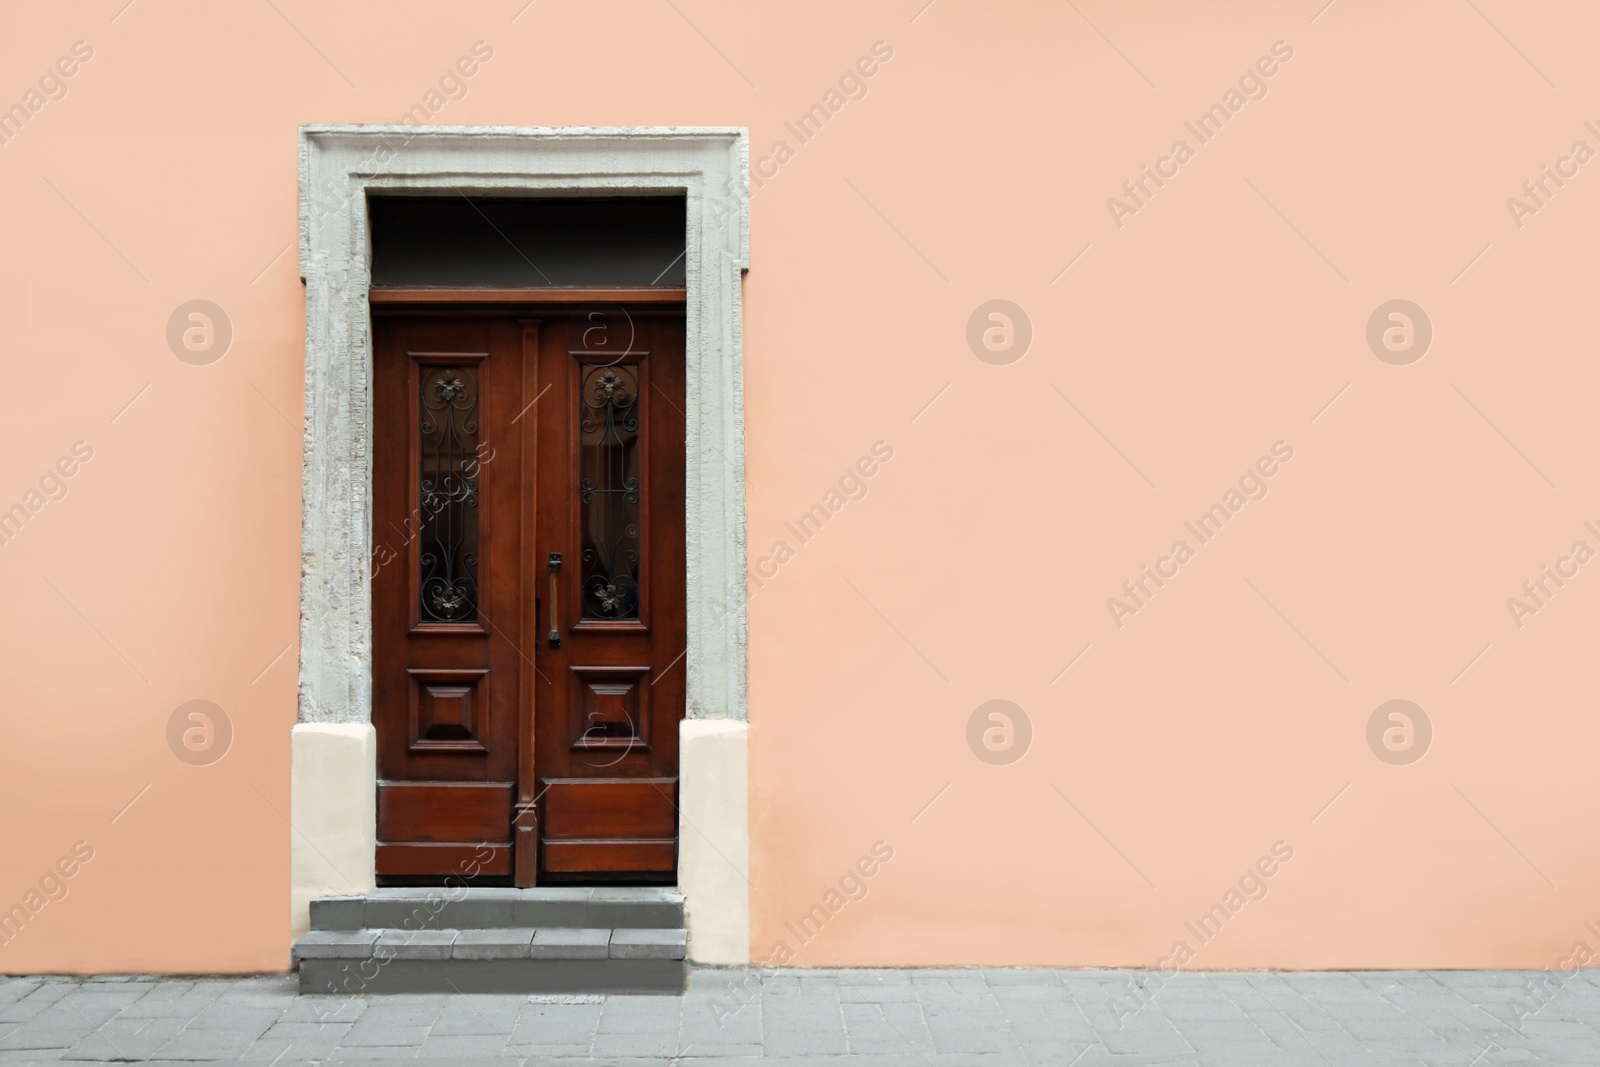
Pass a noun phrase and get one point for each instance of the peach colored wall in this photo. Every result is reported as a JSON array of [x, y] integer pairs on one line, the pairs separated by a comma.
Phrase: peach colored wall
[[1223, 316]]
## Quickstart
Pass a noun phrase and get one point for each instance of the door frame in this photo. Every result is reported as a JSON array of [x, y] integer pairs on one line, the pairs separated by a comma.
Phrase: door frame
[[334, 746]]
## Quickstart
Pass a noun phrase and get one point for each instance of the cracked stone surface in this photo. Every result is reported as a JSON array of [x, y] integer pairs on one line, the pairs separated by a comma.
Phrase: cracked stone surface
[[915, 1018]]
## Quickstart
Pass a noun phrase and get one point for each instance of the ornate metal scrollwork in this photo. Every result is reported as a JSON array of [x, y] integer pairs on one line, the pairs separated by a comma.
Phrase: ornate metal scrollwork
[[447, 387], [609, 489], [447, 509]]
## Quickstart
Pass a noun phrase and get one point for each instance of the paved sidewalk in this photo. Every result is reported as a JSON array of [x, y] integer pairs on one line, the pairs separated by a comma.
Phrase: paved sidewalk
[[920, 1018]]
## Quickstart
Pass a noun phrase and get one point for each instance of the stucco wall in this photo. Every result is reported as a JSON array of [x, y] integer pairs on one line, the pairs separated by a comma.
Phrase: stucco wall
[[1176, 340]]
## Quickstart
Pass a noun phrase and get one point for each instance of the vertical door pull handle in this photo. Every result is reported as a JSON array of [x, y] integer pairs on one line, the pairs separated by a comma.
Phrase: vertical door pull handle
[[555, 615]]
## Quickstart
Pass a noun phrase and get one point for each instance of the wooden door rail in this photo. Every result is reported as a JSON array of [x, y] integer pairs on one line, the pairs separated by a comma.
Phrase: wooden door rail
[[525, 295]]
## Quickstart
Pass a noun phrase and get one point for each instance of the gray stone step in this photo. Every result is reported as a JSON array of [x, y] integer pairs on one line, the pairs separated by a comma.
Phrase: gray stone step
[[553, 942], [552, 959], [369, 978], [463, 908]]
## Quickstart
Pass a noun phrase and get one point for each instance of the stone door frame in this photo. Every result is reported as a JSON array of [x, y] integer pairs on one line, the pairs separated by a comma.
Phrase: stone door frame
[[334, 751]]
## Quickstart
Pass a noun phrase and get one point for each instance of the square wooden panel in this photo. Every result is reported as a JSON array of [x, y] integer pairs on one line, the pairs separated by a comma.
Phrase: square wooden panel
[[448, 710], [618, 825], [447, 812], [610, 708]]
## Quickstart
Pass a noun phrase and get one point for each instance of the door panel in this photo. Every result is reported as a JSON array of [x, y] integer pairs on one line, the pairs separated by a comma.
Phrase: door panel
[[443, 811], [607, 758], [447, 596], [578, 861], [600, 808], [424, 861], [527, 709]]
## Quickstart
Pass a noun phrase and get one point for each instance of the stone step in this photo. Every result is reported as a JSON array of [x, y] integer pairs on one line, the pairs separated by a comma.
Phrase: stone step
[[463, 908], [551, 959]]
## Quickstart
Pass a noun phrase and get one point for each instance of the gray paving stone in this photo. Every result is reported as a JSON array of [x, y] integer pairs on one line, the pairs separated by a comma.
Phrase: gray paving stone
[[641, 1015], [851, 992], [386, 1035], [457, 1046], [347, 1053], [32, 1056], [482, 1014], [536, 1052], [557, 1024], [821, 1037], [1221, 1035], [812, 1013], [32, 1003], [125, 1039], [702, 1052], [39, 1038], [293, 1032], [58, 1018], [991, 1018], [101, 1001], [870, 1031], [265, 985], [322, 1010], [642, 1045], [204, 1045], [173, 999], [14, 989], [277, 1052], [1158, 1037], [719, 1021], [252, 1021]]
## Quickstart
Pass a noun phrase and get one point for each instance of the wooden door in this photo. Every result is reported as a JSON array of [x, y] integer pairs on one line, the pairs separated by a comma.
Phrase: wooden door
[[611, 447], [448, 590], [528, 593]]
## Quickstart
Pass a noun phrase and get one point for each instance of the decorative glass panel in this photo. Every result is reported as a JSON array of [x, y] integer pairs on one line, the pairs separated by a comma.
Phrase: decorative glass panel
[[448, 507], [608, 490]]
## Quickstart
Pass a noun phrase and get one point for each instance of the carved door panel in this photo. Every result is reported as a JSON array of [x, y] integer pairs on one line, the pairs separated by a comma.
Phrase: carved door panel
[[611, 448], [448, 592]]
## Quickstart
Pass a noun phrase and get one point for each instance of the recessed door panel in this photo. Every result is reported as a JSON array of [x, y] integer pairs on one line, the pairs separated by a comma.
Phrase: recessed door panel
[[449, 710]]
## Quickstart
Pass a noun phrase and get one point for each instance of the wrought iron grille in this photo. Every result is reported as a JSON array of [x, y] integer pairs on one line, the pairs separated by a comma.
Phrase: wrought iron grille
[[609, 489], [448, 504]]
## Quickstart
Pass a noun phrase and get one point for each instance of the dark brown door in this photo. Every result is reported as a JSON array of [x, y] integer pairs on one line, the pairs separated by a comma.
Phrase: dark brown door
[[611, 446], [528, 593]]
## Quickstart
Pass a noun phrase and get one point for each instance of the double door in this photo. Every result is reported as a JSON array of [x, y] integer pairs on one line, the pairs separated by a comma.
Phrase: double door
[[528, 593]]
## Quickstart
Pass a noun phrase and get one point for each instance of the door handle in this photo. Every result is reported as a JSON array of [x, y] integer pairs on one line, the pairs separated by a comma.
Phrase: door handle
[[555, 615]]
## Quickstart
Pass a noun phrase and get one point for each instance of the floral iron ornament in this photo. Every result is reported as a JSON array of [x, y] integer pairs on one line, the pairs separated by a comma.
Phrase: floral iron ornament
[[448, 387], [447, 600], [613, 388]]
